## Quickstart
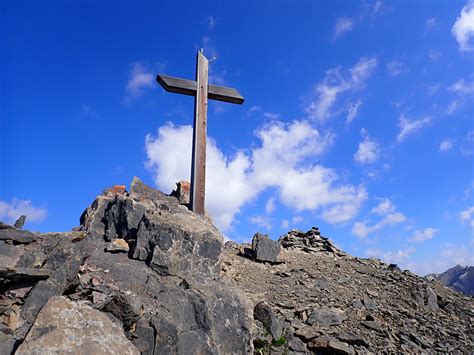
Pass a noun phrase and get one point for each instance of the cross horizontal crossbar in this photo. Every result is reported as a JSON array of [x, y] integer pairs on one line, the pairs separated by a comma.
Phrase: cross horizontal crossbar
[[188, 87]]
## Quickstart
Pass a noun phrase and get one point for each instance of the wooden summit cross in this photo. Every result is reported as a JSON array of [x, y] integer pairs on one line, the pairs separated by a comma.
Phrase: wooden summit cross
[[201, 91]]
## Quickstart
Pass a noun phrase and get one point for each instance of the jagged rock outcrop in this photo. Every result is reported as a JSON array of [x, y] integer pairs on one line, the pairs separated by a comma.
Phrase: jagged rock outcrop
[[143, 274], [139, 257], [330, 302], [459, 278]]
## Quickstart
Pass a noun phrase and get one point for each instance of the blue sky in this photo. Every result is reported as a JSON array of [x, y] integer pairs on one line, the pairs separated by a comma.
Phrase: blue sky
[[358, 116]]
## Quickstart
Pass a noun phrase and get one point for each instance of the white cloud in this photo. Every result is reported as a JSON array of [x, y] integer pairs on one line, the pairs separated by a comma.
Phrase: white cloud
[[297, 219], [409, 127], [384, 207], [285, 223], [362, 71], [434, 55], [362, 230], [431, 22], [342, 26], [453, 106], [396, 68], [423, 234], [271, 115], [467, 216], [458, 254], [139, 80], [254, 109], [11, 211], [352, 111], [389, 257], [336, 83], [463, 87], [368, 151], [211, 21], [261, 221], [209, 48], [463, 28], [270, 205], [280, 162], [445, 145]]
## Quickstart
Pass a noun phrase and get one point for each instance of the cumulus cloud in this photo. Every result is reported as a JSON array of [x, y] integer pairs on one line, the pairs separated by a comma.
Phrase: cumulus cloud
[[463, 28], [467, 216], [343, 25], [409, 127], [368, 151], [279, 162], [445, 145], [139, 80], [336, 82], [423, 234], [11, 211]]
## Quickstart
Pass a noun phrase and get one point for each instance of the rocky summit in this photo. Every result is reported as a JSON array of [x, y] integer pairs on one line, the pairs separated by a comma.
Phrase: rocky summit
[[144, 275]]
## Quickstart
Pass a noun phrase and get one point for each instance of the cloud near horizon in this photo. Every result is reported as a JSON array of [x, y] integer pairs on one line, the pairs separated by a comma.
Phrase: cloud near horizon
[[280, 161], [11, 211]]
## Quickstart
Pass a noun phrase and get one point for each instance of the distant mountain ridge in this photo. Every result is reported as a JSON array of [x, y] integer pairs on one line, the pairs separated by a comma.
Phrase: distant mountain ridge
[[459, 278]]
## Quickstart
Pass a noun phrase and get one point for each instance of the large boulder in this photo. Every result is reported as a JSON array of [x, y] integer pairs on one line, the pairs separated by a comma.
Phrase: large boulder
[[265, 249], [69, 327]]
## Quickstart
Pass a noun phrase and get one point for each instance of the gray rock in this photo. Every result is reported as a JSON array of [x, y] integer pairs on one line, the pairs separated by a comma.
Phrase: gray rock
[[64, 326], [326, 316], [263, 313], [431, 298], [17, 235], [296, 344], [330, 345], [352, 339], [373, 324], [24, 273], [369, 303], [20, 222], [265, 249], [7, 343]]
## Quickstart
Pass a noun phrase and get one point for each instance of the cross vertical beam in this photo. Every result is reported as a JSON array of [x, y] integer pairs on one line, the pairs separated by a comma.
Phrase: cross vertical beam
[[198, 163]]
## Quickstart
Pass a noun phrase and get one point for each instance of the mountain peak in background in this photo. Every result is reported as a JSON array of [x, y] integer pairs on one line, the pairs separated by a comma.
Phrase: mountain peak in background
[[459, 278]]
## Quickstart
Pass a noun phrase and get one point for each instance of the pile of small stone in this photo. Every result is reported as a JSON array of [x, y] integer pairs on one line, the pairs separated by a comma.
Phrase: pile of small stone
[[311, 242]]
